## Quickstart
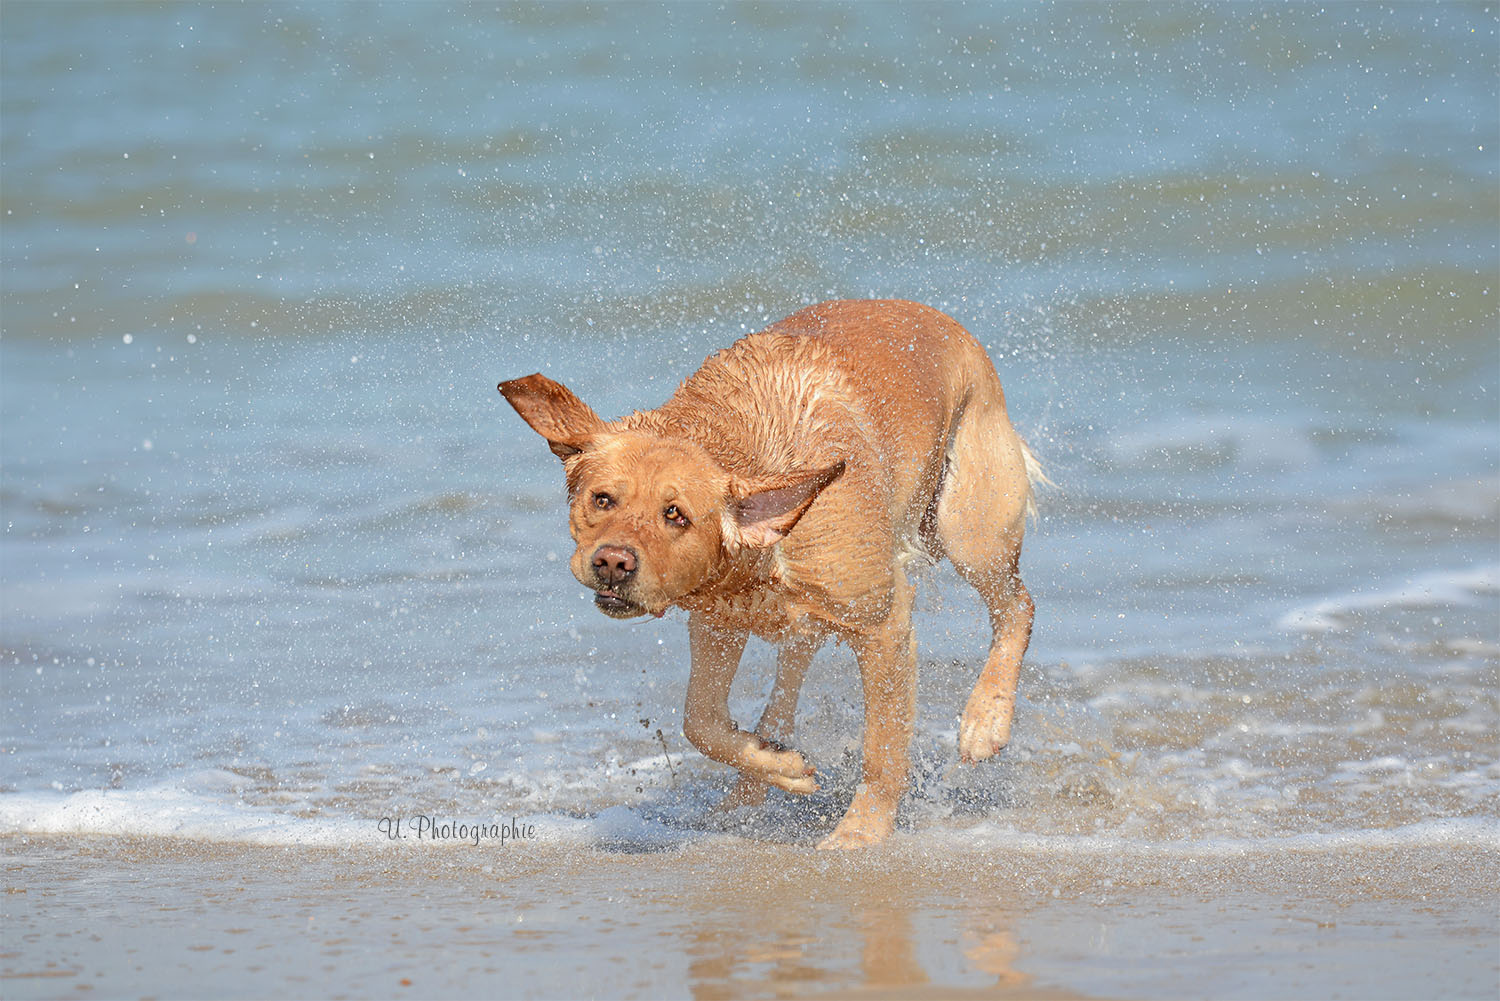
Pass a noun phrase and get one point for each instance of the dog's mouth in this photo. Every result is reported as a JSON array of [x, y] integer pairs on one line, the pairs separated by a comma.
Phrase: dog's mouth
[[608, 601]]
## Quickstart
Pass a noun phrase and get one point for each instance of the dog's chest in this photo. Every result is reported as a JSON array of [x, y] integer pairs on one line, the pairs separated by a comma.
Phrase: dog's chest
[[767, 611]]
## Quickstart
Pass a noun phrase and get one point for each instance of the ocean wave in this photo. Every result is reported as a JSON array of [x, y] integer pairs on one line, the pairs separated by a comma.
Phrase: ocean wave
[[1431, 590]]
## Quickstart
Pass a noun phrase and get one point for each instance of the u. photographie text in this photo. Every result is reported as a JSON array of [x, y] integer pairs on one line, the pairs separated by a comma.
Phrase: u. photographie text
[[427, 828]]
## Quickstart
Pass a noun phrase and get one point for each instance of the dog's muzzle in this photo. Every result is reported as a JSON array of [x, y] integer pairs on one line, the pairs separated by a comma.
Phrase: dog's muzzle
[[614, 567]]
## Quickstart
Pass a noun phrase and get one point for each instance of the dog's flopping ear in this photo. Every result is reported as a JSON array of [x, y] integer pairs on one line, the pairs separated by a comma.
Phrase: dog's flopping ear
[[553, 412], [765, 511]]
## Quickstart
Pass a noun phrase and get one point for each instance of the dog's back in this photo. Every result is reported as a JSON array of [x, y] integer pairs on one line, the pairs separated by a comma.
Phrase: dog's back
[[883, 385]]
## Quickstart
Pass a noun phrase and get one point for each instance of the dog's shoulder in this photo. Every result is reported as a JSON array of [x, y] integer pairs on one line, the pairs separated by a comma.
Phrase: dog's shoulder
[[772, 403]]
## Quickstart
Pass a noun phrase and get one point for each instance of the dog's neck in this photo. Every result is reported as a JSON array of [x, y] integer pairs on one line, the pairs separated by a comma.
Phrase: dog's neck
[[737, 572], [751, 594]]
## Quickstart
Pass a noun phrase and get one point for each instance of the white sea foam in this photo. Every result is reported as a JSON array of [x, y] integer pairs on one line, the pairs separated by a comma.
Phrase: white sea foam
[[197, 809], [184, 810], [1431, 590], [190, 811]]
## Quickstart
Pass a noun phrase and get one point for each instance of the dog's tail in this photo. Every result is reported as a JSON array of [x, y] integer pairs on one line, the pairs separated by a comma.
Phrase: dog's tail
[[1035, 477]]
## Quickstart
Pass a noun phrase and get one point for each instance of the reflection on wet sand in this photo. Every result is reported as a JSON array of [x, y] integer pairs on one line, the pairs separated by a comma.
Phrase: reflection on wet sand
[[843, 931]]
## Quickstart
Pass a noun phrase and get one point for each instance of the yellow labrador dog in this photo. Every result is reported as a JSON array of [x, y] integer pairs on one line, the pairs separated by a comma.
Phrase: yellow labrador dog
[[782, 491]]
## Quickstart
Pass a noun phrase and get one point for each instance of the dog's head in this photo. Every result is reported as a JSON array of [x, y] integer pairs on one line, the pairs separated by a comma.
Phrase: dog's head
[[655, 518]]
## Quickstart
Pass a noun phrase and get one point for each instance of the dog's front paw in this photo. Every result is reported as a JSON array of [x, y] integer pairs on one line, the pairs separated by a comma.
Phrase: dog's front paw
[[869, 821], [774, 764], [984, 728]]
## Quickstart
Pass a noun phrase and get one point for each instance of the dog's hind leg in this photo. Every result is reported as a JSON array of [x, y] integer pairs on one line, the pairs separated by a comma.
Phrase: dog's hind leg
[[981, 518], [984, 727], [778, 721]]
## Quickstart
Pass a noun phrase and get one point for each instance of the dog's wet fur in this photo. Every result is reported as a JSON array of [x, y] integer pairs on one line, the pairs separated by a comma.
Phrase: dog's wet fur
[[781, 491]]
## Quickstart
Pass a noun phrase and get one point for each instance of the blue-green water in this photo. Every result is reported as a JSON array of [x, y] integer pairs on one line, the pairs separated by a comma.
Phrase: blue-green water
[[278, 560]]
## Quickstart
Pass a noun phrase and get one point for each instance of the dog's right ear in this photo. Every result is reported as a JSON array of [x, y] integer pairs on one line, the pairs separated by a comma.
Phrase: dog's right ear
[[553, 412]]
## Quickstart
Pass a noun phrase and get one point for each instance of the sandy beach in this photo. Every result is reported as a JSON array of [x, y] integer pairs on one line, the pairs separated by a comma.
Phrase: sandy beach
[[729, 918]]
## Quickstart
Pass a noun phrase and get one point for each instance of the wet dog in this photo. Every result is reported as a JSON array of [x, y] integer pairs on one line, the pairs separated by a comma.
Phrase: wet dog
[[782, 491]]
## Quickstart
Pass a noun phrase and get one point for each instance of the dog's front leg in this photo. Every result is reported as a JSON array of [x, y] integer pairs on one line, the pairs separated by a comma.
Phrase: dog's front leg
[[779, 719], [706, 723], [887, 657]]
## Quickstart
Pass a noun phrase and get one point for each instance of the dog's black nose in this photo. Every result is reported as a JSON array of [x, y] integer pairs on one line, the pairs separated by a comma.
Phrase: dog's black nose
[[614, 564]]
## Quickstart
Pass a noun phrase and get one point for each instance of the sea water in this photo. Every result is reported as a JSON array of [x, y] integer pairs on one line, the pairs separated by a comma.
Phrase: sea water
[[279, 565]]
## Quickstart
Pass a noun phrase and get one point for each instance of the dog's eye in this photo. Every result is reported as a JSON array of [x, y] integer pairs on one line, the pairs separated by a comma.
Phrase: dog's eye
[[674, 515], [603, 502]]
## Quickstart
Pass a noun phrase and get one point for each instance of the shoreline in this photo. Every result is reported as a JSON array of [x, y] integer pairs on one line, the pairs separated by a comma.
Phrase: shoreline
[[724, 917]]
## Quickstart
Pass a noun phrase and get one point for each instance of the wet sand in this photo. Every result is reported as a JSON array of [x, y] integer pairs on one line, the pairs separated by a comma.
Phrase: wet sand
[[731, 918]]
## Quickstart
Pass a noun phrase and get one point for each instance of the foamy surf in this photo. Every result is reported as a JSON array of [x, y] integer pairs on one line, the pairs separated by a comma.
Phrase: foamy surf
[[188, 811], [173, 812]]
